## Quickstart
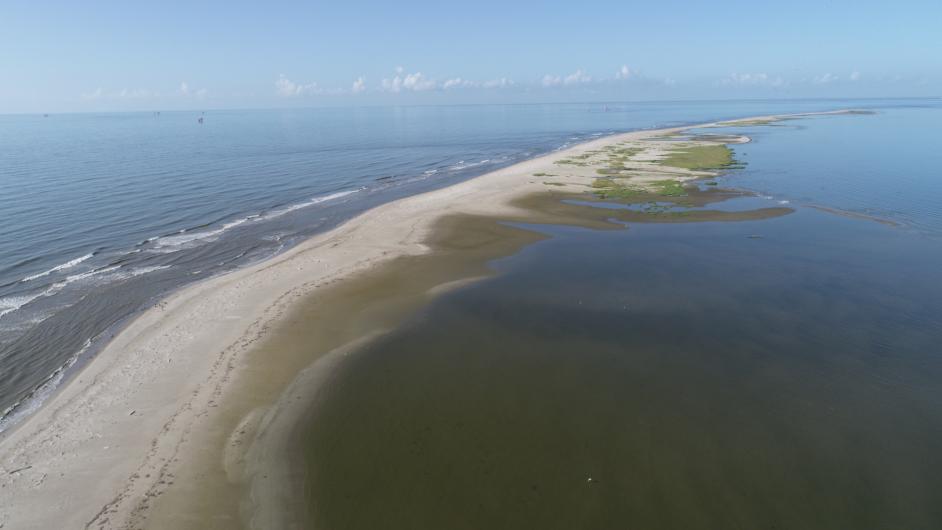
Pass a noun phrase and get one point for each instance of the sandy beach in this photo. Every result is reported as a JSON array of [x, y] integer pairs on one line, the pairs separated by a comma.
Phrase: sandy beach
[[116, 446]]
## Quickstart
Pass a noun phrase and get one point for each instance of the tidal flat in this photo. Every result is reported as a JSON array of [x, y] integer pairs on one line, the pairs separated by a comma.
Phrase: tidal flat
[[779, 371], [715, 375]]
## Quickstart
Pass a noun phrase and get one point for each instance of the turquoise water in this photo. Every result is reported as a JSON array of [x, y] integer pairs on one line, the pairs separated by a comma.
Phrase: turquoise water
[[103, 213], [783, 373]]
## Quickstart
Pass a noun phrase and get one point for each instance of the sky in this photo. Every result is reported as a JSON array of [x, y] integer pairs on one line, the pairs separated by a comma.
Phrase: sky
[[111, 56]]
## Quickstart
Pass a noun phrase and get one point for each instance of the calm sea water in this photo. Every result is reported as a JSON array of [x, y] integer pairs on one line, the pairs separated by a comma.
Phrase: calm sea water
[[104, 213], [783, 373]]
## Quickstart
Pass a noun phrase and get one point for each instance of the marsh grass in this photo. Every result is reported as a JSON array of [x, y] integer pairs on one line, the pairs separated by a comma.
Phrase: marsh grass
[[609, 188], [570, 162], [701, 157]]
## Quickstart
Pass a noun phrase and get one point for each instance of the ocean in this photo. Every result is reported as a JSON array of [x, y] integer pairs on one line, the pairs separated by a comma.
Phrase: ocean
[[106, 213]]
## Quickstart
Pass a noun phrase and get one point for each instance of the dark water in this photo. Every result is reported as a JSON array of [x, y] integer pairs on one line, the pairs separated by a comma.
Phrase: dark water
[[102, 213], [783, 373]]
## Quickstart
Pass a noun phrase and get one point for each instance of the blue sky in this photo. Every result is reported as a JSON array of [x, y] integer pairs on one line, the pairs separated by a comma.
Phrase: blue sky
[[94, 56]]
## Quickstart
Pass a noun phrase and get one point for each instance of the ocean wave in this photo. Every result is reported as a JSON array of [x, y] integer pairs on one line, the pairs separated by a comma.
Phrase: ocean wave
[[274, 214], [31, 403], [139, 271], [462, 165], [185, 237], [67, 265], [13, 303]]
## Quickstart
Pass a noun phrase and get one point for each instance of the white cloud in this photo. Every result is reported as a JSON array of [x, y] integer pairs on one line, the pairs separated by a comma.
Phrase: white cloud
[[186, 91], [287, 88], [552, 80], [576, 78], [457, 82], [358, 86], [502, 82], [854, 76], [415, 82], [759, 79], [825, 79], [124, 93], [623, 73]]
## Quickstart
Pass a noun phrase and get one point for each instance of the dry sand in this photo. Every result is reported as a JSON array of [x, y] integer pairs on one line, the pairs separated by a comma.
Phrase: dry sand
[[111, 440]]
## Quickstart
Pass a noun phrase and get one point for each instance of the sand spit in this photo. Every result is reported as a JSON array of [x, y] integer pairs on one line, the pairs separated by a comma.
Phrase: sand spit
[[102, 451]]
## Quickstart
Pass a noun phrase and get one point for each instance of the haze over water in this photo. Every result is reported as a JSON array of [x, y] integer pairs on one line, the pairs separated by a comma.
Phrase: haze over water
[[106, 212]]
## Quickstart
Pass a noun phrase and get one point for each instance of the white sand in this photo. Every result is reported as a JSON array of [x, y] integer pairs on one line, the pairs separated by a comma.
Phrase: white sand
[[108, 439]]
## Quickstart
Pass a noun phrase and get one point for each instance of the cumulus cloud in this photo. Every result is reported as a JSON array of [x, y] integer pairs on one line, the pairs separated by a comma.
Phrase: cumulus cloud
[[552, 80], [854, 76], [186, 91], [759, 79], [824, 79], [402, 81], [502, 82], [623, 73], [457, 82], [576, 78], [287, 88], [124, 93], [358, 86]]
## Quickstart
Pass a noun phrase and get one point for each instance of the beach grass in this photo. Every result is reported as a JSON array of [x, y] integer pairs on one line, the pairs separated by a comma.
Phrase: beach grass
[[609, 188], [701, 157]]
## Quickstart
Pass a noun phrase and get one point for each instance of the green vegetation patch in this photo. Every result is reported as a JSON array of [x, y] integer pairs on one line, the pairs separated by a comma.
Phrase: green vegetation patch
[[669, 188], [701, 157], [609, 188], [570, 162]]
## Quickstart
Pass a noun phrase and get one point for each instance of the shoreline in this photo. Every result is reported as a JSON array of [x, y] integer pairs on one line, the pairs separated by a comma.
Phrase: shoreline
[[112, 438]]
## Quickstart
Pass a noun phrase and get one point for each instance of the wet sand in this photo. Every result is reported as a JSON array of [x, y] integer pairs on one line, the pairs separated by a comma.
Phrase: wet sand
[[180, 421]]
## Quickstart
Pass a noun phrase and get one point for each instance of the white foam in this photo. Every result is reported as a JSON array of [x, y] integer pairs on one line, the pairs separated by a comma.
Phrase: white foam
[[131, 273], [12, 303], [183, 238], [67, 265], [462, 165], [35, 399], [315, 200]]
